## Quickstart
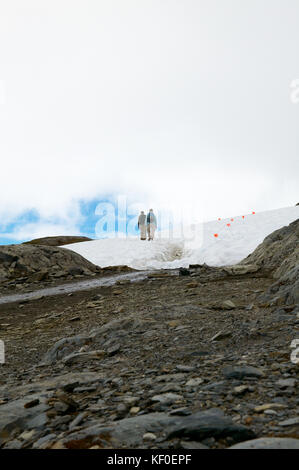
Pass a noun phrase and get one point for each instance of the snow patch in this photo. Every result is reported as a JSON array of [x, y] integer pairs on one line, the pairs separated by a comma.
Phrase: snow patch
[[232, 245]]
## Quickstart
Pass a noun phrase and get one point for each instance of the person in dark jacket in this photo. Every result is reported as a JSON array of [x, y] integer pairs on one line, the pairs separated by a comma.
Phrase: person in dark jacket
[[151, 224]]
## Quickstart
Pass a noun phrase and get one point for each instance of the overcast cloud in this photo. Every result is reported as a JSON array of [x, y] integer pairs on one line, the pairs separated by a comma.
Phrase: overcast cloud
[[166, 101]]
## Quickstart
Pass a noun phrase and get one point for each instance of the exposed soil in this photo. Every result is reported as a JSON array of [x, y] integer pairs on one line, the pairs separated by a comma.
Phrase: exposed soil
[[178, 317]]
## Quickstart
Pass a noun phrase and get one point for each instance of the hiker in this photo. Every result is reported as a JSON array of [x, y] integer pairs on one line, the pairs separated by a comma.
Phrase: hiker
[[142, 225], [151, 223]]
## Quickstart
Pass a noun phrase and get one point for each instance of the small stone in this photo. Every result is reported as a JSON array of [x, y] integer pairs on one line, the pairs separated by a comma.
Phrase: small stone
[[285, 383], [221, 335], [78, 420], [180, 412], [228, 305], [270, 412], [167, 398], [32, 403], [134, 410], [194, 382], [173, 323], [268, 406], [149, 436], [239, 372], [192, 285], [113, 349], [27, 435], [117, 292], [40, 443], [240, 390], [289, 422]]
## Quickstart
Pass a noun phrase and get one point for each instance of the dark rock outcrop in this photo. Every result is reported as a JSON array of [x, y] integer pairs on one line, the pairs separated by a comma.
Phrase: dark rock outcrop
[[41, 262], [279, 254], [57, 240]]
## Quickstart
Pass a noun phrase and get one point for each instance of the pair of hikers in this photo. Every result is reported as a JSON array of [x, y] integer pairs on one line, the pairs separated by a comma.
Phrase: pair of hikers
[[147, 224]]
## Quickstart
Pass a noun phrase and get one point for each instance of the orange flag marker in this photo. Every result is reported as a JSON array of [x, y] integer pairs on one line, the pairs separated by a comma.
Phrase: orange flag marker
[[253, 212], [215, 235], [228, 225]]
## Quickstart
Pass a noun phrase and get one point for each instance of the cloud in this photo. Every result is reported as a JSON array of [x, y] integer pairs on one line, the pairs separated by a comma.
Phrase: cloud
[[170, 103]]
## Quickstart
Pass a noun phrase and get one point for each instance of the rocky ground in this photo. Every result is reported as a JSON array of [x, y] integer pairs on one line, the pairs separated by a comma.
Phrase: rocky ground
[[188, 359], [29, 267]]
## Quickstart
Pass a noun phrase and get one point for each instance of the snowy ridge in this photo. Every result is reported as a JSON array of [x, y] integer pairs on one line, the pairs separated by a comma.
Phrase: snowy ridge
[[232, 244]]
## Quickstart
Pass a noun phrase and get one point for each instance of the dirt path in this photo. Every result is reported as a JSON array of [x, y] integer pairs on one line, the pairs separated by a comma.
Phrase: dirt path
[[71, 287]]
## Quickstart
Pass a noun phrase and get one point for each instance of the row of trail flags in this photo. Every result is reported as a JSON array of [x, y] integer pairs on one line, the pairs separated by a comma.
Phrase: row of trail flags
[[216, 235]]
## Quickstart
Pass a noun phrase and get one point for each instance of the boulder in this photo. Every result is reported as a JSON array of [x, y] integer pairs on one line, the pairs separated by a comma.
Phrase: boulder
[[40, 262]]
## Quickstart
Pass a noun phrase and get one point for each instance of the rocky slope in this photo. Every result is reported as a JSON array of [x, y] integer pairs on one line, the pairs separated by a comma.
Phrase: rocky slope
[[194, 358], [279, 254], [39, 262]]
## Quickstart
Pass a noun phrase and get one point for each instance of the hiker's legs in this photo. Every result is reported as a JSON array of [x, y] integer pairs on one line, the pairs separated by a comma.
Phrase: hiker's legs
[[152, 229], [142, 232]]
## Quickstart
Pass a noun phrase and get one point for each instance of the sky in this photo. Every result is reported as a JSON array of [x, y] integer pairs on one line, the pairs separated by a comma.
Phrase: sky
[[179, 105]]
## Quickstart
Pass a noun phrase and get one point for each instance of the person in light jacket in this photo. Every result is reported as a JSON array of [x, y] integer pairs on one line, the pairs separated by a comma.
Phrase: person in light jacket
[[151, 223], [142, 225]]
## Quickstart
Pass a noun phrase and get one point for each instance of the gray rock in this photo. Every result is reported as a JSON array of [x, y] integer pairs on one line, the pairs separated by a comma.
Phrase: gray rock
[[221, 335], [65, 347], [228, 305], [44, 440], [284, 383], [167, 398], [14, 444], [83, 356], [79, 418], [210, 423], [290, 422], [40, 261], [192, 445], [195, 382], [127, 431], [268, 443], [14, 415], [239, 372]]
